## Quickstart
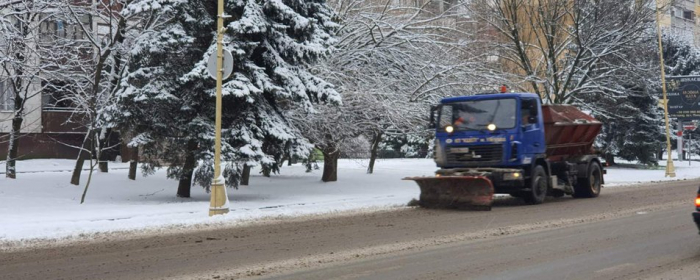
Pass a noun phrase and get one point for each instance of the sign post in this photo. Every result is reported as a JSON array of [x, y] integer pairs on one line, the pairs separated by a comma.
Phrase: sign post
[[690, 127], [679, 142]]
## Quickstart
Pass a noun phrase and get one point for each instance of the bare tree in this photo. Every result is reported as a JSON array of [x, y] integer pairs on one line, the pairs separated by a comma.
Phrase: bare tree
[[563, 49], [391, 61], [95, 80], [32, 52]]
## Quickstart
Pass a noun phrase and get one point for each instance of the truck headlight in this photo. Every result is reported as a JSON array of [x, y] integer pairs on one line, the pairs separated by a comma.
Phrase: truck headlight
[[511, 176]]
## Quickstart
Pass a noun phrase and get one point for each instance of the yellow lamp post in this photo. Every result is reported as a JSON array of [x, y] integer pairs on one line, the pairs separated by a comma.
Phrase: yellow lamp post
[[219, 199], [670, 170]]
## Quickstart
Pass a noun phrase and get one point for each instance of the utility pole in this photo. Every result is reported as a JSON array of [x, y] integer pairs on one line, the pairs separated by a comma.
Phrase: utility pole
[[679, 140], [670, 170], [219, 198]]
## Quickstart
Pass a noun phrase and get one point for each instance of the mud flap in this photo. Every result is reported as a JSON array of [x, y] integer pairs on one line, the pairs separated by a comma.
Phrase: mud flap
[[458, 192]]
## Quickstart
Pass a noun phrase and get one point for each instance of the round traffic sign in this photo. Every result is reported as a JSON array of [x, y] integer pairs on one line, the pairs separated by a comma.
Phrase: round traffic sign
[[228, 65]]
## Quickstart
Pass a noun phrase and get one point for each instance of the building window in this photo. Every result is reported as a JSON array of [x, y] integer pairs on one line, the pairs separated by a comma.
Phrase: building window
[[56, 96], [688, 15], [677, 13], [7, 97], [52, 28]]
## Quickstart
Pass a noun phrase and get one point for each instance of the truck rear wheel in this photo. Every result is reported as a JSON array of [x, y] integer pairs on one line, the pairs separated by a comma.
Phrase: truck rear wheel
[[589, 186], [538, 187]]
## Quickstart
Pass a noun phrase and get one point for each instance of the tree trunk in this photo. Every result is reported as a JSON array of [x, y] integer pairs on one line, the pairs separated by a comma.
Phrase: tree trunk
[[183, 188], [103, 165], [75, 179], [660, 154], [18, 87], [105, 151], [330, 164], [133, 162], [373, 153], [13, 148], [609, 159], [89, 179], [245, 177], [266, 171]]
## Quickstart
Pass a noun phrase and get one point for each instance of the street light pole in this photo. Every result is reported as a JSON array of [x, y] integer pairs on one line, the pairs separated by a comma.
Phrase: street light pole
[[218, 203], [670, 170]]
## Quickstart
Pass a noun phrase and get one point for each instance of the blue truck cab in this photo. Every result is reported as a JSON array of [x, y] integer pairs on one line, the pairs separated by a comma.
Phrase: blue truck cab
[[501, 130]]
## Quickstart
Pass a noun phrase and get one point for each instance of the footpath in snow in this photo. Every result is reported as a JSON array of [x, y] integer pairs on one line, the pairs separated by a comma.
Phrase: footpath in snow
[[41, 204]]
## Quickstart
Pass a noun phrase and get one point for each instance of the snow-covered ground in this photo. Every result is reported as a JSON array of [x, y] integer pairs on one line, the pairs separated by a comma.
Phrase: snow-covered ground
[[40, 205]]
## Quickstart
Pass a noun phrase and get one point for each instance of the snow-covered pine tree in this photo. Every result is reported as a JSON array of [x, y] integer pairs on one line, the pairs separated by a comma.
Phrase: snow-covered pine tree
[[168, 101], [642, 139], [414, 145], [681, 56], [628, 107]]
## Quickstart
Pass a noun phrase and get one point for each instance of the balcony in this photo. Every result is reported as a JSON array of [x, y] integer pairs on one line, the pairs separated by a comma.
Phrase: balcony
[[61, 120]]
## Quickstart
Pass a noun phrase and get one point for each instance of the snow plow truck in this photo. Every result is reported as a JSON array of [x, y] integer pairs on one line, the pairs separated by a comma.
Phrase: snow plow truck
[[509, 143]]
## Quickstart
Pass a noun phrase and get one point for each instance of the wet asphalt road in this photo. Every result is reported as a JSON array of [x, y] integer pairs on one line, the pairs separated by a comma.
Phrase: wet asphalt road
[[635, 232]]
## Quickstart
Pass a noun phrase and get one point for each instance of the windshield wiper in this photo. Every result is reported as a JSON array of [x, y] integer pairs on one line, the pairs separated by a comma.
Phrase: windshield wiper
[[493, 116]]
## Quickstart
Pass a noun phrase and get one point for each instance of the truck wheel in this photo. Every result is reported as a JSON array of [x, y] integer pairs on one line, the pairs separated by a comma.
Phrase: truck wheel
[[589, 186], [538, 187]]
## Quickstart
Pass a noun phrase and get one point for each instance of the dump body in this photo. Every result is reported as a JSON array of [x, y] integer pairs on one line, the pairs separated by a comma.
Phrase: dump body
[[568, 132]]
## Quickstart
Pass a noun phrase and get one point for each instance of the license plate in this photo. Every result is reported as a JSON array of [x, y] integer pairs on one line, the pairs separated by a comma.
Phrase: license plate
[[459, 150]]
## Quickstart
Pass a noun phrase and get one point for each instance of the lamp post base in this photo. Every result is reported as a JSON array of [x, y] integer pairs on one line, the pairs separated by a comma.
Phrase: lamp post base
[[218, 211], [219, 199], [670, 170]]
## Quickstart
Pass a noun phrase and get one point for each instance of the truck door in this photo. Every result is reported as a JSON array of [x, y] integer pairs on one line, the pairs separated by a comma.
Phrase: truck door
[[531, 128]]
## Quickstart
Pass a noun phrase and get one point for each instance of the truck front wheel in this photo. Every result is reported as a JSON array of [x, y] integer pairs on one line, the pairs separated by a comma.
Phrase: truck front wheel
[[538, 187], [589, 186]]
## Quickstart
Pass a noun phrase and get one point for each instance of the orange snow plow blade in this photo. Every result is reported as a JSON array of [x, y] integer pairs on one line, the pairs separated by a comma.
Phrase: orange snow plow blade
[[460, 192]]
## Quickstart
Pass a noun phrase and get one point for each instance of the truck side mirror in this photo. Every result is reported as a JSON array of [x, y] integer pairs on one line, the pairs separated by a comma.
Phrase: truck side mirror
[[433, 110], [533, 116]]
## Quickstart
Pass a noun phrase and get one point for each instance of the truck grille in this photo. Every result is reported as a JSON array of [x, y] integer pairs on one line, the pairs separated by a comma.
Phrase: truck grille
[[474, 155]]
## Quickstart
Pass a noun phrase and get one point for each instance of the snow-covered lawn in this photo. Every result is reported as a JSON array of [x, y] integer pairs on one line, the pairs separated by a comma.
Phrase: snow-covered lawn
[[44, 205]]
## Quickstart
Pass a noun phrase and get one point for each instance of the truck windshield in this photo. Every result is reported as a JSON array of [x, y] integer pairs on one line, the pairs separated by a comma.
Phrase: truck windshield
[[477, 115]]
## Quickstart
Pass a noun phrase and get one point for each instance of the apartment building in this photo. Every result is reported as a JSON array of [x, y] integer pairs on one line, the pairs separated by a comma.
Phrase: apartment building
[[680, 17], [49, 128]]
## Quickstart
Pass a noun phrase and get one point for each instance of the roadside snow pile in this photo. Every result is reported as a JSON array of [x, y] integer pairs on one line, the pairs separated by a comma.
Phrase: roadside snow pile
[[628, 175], [44, 205]]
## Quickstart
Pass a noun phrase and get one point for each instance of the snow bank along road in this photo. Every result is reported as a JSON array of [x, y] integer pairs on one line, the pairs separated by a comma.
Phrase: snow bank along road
[[628, 232]]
